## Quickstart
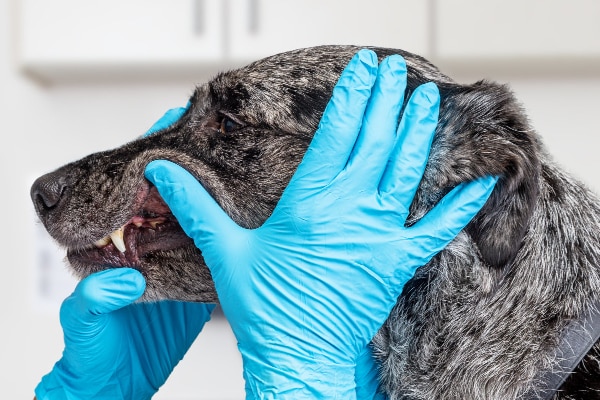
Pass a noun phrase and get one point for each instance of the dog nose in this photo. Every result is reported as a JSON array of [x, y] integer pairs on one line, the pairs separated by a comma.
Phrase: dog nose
[[47, 191]]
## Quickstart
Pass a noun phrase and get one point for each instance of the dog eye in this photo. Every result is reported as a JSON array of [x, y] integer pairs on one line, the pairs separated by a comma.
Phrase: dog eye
[[228, 125]]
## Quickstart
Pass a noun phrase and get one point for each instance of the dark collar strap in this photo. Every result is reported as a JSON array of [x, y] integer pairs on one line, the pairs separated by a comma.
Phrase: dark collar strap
[[577, 340]]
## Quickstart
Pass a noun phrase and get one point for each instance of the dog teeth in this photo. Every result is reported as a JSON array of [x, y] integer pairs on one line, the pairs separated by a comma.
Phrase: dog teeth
[[102, 242], [154, 224], [115, 237]]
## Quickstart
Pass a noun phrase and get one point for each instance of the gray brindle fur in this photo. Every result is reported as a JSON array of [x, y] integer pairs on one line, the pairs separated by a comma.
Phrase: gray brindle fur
[[480, 321]]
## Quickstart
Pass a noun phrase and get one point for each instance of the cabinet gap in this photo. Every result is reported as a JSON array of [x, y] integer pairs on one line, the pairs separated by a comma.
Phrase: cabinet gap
[[198, 15]]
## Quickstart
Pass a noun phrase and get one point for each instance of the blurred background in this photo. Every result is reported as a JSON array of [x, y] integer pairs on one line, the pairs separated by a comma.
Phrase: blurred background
[[80, 76]]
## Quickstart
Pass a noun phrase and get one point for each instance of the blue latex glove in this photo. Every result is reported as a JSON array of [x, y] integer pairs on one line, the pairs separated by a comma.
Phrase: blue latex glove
[[168, 119], [366, 377], [115, 349], [308, 290]]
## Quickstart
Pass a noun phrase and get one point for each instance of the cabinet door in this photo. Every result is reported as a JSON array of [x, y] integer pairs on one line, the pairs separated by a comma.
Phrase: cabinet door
[[518, 29], [75, 35], [258, 28]]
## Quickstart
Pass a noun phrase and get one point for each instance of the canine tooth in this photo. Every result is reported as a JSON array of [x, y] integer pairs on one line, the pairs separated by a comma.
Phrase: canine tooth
[[117, 239], [102, 242]]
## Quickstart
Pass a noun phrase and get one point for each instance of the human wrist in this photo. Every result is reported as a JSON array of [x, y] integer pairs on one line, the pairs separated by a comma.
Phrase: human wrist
[[62, 384], [43, 391], [50, 391], [275, 376]]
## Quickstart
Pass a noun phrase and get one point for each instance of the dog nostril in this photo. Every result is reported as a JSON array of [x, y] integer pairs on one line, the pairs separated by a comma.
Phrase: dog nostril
[[47, 191]]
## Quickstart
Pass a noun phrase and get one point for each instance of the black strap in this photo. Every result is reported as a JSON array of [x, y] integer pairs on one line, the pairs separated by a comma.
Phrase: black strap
[[577, 340]]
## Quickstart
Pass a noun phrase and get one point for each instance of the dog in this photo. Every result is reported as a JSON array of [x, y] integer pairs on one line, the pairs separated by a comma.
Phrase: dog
[[482, 320]]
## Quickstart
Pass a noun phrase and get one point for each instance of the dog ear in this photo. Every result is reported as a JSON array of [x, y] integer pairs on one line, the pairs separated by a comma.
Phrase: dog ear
[[499, 228], [483, 131]]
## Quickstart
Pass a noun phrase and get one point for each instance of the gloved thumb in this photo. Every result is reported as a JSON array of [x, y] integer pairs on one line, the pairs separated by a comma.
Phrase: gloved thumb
[[101, 293], [197, 212]]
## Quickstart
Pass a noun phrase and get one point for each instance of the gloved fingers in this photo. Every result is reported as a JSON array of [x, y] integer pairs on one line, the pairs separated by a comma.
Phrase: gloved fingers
[[403, 174], [197, 212], [441, 224], [168, 119], [339, 127], [378, 133], [101, 293]]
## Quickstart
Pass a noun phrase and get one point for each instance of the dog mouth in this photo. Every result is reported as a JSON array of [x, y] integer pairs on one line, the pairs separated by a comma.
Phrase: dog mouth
[[151, 229]]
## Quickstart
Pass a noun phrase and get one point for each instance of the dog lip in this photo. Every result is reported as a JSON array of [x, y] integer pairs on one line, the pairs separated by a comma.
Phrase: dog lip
[[152, 228]]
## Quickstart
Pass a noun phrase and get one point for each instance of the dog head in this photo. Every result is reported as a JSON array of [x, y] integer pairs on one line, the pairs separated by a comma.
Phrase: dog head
[[243, 137]]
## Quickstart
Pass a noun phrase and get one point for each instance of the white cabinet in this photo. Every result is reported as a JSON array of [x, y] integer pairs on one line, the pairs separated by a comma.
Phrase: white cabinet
[[517, 29], [89, 39], [258, 28], [61, 38]]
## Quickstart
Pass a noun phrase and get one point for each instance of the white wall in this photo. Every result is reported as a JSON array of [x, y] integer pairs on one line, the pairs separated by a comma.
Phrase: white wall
[[44, 127], [563, 109]]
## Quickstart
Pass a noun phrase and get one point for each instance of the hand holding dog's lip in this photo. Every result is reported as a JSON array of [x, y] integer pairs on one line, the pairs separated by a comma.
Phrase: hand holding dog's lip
[[325, 269]]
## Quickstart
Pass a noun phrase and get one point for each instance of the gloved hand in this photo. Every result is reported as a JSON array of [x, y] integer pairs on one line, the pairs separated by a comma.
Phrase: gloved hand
[[307, 291], [115, 348]]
